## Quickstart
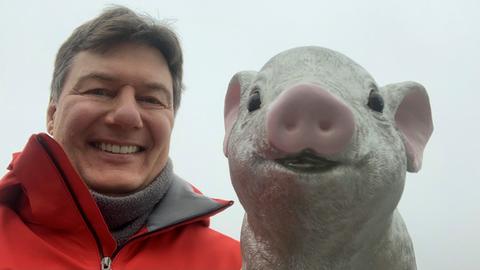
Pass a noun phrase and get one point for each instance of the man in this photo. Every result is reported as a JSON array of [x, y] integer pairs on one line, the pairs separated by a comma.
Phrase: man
[[102, 192]]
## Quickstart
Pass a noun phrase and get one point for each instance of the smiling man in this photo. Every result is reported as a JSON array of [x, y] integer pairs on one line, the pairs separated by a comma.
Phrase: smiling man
[[100, 191]]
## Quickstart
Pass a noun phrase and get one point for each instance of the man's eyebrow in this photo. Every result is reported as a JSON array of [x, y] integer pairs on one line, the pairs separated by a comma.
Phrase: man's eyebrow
[[156, 86], [94, 75]]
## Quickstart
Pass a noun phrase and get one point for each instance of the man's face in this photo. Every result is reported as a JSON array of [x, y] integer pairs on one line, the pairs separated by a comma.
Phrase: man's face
[[115, 116]]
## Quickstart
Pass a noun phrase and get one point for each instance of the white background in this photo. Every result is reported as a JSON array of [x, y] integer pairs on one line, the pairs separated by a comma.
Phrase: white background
[[436, 43]]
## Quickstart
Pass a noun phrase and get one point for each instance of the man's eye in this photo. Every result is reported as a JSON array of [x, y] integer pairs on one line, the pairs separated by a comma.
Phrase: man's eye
[[98, 92], [150, 100]]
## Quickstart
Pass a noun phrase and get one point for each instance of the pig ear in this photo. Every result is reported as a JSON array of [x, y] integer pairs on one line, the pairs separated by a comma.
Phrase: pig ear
[[409, 104], [238, 84]]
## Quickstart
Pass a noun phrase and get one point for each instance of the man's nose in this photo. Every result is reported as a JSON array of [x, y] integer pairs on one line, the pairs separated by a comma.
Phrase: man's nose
[[125, 111]]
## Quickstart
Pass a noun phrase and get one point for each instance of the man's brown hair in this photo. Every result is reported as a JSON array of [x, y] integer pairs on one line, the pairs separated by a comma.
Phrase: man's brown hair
[[112, 27]]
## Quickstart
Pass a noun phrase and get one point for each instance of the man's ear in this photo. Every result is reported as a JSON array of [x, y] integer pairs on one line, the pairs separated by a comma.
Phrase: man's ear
[[52, 109]]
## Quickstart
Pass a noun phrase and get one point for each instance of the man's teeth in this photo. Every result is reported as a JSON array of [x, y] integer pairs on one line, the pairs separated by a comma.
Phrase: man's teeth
[[118, 149]]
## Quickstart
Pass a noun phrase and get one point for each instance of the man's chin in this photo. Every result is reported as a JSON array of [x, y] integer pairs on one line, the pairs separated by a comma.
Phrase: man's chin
[[115, 186]]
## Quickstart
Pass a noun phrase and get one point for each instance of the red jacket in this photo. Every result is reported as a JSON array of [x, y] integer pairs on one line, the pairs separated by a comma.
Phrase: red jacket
[[49, 220]]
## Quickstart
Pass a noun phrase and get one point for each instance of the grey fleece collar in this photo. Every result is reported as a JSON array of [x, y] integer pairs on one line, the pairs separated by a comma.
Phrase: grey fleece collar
[[125, 215], [180, 204]]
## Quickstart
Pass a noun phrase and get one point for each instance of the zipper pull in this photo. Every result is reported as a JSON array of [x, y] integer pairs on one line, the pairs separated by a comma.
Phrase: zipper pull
[[106, 263]]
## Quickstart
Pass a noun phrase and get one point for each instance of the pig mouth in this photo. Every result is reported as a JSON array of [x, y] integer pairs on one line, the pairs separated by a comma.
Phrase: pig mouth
[[306, 162]]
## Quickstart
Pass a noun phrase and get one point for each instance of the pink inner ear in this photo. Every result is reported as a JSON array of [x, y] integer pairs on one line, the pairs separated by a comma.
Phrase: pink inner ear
[[414, 119], [232, 101]]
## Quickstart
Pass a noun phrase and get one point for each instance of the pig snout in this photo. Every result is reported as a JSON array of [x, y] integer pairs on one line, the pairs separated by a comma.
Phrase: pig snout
[[307, 117]]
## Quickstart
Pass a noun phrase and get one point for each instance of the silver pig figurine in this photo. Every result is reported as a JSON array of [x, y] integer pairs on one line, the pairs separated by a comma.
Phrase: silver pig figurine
[[318, 154]]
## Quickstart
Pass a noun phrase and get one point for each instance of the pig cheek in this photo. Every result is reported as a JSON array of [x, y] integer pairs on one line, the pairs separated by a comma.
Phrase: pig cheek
[[246, 182], [383, 179], [393, 163], [381, 158], [260, 188], [385, 193], [240, 180], [242, 169], [393, 181]]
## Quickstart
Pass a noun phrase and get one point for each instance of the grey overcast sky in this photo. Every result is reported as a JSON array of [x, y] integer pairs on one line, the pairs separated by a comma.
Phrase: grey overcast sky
[[436, 43]]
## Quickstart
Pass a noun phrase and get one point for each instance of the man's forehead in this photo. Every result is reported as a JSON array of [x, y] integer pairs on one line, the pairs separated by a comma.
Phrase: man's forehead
[[140, 53], [123, 65]]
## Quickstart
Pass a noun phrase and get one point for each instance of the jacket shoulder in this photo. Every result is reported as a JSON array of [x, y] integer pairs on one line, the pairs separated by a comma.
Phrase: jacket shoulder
[[203, 242], [191, 246]]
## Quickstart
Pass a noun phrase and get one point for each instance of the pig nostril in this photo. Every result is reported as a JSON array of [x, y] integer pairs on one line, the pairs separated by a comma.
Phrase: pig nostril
[[325, 126], [290, 126]]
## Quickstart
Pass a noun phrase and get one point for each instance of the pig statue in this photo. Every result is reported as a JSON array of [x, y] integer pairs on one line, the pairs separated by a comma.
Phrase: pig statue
[[318, 154]]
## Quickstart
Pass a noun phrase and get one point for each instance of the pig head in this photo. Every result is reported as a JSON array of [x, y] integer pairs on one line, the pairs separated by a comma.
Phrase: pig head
[[318, 154]]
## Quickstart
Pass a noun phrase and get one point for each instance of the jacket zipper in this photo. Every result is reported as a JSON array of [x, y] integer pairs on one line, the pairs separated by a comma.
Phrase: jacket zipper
[[105, 260], [106, 263]]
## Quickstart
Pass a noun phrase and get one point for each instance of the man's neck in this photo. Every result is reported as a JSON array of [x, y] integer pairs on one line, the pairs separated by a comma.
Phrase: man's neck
[[125, 215]]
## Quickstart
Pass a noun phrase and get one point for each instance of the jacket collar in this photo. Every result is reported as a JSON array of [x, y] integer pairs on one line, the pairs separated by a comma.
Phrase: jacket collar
[[183, 202]]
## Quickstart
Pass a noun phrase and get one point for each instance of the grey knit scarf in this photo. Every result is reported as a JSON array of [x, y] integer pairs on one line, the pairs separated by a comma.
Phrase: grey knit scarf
[[125, 215]]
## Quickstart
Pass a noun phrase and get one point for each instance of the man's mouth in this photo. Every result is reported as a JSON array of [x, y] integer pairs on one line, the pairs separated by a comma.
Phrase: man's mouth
[[116, 148], [307, 162]]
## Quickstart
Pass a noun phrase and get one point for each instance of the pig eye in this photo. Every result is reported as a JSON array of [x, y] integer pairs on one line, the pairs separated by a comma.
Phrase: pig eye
[[254, 101], [375, 101]]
